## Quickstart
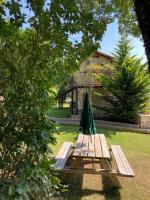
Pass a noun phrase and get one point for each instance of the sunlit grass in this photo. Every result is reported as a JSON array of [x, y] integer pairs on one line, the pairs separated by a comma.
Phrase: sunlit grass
[[136, 147]]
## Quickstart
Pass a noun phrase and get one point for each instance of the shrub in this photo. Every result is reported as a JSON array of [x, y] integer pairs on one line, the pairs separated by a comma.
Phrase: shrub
[[25, 130], [35, 53]]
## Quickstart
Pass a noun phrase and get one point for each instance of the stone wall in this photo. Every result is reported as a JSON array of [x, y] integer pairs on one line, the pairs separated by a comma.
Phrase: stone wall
[[89, 68], [144, 121]]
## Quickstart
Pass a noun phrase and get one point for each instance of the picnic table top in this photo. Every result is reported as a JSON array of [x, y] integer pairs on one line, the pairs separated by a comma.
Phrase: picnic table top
[[91, 146]]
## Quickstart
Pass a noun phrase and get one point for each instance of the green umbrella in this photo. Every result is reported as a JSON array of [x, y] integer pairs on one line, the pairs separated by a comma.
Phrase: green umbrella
[[87, 124]]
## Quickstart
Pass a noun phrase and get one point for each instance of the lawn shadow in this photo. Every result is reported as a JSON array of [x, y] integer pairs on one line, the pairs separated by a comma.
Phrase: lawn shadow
[[74, 129], [108, 132], [110, 192], [74, 187], [77, 193]]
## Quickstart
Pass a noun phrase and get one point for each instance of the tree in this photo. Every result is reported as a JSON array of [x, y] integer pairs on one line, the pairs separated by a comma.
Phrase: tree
[[142, 9], [35, 52], [133, 17], [61, 97], [127, 87], [61, 94]]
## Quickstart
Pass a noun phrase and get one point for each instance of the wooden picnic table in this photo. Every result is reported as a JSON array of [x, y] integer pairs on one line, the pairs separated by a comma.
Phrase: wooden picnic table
[[93, 148]]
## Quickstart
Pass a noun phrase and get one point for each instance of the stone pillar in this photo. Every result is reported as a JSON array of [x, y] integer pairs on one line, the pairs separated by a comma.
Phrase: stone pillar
[[144, 121], [144, 118]]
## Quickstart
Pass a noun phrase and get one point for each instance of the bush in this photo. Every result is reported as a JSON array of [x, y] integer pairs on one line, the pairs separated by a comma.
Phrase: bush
[[36, 181], [36, 53]]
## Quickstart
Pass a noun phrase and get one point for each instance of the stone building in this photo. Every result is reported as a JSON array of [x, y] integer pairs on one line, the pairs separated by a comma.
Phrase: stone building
[[86, 79]]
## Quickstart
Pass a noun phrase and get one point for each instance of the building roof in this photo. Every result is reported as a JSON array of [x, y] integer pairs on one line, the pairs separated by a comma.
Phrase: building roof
[[97, 54]]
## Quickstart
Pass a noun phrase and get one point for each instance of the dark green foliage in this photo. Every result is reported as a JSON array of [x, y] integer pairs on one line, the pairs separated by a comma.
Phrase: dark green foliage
[[61, 96], [35, 53], [25, 130], [127, 87]]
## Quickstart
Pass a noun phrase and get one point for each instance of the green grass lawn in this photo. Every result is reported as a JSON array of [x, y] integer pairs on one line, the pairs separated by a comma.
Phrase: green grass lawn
[[136, 147], [60, 112]]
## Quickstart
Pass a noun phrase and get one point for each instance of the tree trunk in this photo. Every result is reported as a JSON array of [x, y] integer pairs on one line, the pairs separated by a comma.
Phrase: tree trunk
[[142, 9]]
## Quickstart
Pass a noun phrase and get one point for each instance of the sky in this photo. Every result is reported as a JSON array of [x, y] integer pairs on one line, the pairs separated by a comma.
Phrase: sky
[[111, 38]]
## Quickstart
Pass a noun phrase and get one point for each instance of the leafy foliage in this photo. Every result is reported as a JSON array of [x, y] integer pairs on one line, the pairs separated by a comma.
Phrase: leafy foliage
[[36, 51], [126, 17], [127, 87], [25, 130], [61, 97]]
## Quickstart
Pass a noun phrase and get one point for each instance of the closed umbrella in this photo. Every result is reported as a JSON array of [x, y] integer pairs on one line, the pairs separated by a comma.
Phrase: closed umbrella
[[87, 125]]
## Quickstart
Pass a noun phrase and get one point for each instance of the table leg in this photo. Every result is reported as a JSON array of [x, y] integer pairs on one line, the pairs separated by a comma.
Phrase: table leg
[[106, 165], [75, 163], [92, 163]]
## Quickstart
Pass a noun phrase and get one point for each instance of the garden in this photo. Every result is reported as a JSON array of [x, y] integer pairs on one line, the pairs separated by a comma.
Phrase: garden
[[42, 45]]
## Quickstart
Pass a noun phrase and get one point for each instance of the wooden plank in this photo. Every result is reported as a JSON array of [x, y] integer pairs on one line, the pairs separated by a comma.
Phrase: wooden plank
[[63, 155], [78, 147], [125, 162], [105, 163], [105, 150], [60, 155], [85, 171], [98, 150], [85, 146], [61, 151], [114, 173], [91, 152], [119, 163]]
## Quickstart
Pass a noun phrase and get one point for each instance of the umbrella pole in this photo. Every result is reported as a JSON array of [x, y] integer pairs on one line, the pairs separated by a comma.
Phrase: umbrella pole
[[91, 138]]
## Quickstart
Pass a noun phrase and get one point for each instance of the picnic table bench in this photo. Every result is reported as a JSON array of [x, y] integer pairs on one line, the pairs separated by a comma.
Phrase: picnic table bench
[[95, 149]]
